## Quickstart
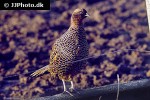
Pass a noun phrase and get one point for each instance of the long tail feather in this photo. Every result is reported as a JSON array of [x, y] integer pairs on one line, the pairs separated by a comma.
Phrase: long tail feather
[[40, 71]]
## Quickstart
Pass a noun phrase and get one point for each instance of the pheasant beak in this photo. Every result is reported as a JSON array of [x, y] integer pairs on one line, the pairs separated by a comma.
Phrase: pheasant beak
[[87, 15]]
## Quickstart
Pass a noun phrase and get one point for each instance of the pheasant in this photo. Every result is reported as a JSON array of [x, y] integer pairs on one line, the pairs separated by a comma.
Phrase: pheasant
[[68, 50]]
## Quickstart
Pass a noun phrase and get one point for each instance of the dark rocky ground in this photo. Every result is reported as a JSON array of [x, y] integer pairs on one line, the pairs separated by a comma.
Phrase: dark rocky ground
[[26, 38]]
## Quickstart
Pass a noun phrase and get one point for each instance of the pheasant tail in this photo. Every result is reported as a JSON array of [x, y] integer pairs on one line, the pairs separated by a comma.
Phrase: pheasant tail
[[40, 71]]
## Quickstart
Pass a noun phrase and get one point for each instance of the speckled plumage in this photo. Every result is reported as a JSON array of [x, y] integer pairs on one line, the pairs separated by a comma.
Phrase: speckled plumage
[[71, 46]]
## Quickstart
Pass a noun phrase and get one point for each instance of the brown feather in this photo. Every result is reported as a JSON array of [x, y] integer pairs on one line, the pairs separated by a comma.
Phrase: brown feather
[[41, 71]]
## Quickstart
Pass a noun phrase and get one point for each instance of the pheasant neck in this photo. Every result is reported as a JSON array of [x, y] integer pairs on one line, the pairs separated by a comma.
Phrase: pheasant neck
[[76, 23]]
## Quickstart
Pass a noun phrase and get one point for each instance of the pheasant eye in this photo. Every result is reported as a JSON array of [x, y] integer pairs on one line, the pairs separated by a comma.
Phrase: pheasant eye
[[80, 12]]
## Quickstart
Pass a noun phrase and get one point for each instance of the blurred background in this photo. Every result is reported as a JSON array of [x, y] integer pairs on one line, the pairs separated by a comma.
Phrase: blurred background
[[26, 38]]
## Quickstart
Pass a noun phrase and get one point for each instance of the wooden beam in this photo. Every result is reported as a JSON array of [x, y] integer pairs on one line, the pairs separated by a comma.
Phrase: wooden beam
[[134, 90]]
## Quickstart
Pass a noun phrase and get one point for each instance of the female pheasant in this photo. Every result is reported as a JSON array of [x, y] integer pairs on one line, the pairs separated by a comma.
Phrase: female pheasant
[[67, 49]]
